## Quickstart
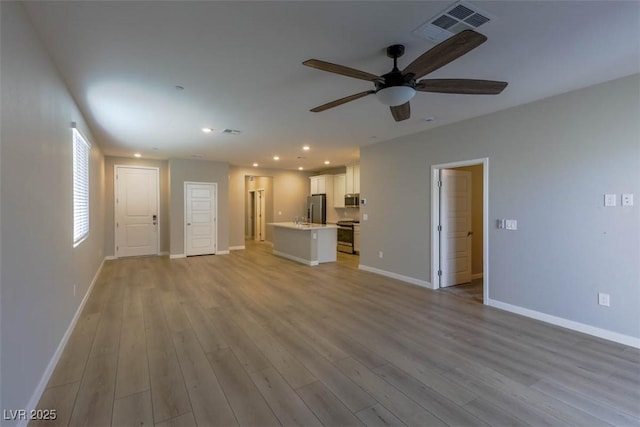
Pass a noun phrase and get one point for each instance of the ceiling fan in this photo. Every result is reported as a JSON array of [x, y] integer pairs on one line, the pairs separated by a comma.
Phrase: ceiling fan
[[396, 88]]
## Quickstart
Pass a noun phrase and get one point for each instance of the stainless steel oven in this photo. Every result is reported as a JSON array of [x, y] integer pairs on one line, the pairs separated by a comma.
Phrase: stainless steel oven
[[345, 237]]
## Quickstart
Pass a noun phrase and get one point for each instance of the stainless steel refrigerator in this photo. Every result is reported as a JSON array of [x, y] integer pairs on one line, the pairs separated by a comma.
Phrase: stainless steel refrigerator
[[317, 209]]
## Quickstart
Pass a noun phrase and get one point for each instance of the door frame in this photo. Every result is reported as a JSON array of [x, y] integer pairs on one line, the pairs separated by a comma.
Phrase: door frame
[[215, 213], [115, 205], [435, 216]]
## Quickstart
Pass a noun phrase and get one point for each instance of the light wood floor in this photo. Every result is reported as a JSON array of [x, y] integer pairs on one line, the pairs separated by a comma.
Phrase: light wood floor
[[252, 339], [472, 290]]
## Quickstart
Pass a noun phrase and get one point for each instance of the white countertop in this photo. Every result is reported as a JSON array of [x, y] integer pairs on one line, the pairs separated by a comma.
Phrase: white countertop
[[306, 227]]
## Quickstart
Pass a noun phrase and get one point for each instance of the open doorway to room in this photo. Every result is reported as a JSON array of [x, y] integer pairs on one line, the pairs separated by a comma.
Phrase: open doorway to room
[[258, 207], [460, 227]]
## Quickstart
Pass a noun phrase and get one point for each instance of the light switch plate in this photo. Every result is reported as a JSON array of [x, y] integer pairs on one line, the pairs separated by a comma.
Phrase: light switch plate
[[609, 199], [511, 224], [500, 224], [627, 200], [604, 299], [365, 217]]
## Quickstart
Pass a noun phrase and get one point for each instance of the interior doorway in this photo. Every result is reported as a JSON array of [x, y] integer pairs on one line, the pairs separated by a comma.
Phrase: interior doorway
[[251, 213], [259, 221], [258, 208], [459, 227]]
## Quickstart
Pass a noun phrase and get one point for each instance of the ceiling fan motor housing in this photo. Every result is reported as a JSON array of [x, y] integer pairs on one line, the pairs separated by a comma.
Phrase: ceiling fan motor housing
[[395, 76]]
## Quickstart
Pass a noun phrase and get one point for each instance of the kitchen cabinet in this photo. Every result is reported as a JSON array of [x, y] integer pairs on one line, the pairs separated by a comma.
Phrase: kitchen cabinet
[[310, 244], [339, 187], [321, 184], [356, 238], [352, 179]]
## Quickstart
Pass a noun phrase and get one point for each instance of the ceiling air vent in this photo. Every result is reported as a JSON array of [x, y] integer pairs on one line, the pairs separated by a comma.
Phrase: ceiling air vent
[[456, 18], [231, 131]]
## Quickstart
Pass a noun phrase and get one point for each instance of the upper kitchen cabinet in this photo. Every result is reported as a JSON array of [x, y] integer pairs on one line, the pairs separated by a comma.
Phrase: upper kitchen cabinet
[[339, 190], [321, 184], [352, 178]]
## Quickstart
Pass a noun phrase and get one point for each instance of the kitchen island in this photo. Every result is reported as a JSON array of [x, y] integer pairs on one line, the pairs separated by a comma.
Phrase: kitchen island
[[309, 244]]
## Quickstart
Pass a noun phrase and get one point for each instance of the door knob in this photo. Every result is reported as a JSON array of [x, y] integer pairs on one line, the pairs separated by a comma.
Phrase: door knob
[[469, 233], [188, 223]]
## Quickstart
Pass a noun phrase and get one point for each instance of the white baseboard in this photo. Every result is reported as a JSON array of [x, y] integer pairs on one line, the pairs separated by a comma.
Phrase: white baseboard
[[296, 259], [112, 257], [237, 248], [176, 256], [477, 276], [46, 376], [569, 324], [222, 252], [412, 280]]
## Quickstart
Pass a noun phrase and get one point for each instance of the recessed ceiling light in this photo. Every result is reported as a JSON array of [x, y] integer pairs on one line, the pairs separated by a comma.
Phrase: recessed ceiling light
[[197, 156], [155, 149], [137, 155], [326, 162], [255, 165], [276, 157], [306, 148], [207, 130], [429, 119], [300, 168]]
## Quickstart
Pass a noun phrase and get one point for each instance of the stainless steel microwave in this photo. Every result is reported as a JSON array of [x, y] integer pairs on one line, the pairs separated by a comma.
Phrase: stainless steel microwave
[[351, 200]]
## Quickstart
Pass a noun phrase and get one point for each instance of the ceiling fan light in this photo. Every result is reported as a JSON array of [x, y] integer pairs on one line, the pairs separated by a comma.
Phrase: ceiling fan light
[[395, 95]]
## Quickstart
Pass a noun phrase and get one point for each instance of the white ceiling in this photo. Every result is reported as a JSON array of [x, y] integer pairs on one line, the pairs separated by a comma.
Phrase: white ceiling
[[240, 65]]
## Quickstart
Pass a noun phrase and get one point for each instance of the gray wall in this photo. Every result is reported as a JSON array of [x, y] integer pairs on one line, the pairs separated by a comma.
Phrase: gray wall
[[181, 171], [290, 189], [39, 264], [550, 162], [163, 166]]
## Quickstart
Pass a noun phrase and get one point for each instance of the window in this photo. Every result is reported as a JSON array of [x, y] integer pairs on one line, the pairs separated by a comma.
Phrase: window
[[81, 150]]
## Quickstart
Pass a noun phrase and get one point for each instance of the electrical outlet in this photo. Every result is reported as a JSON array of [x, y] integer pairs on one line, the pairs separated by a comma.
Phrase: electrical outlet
[[380, 254], [627, 200], [511, 224], [604, 299], [609, 200]]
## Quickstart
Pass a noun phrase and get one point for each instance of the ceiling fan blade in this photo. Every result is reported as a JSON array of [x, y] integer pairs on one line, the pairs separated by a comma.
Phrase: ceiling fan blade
[[342, 101], [340, 69], [401, 112], [465, 86], [444, 53]]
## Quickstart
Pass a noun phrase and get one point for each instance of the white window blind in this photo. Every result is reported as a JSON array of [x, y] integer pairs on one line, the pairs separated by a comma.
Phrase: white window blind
[[81, 150]]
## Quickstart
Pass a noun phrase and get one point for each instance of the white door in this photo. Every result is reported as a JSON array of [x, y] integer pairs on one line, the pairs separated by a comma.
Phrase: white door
[[455, 222], [200, 218], [260, 218], [136, 194]]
